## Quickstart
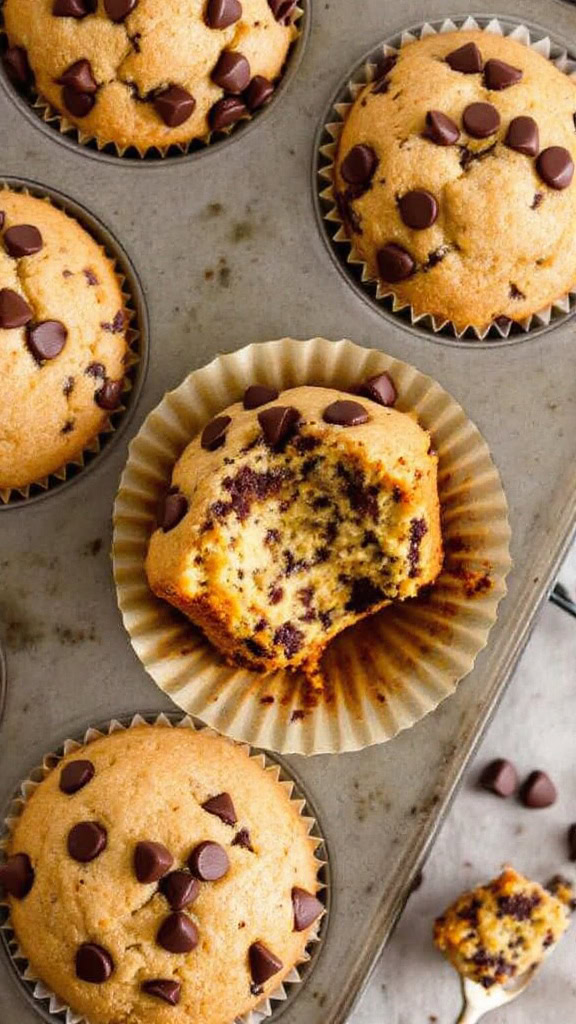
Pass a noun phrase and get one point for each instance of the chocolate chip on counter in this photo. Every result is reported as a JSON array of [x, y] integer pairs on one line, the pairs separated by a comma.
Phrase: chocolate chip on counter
[[16, 66], [180, 889], [177, 933], [282, 10], [93, 963], [467, 59], [17, 875], [523, 136], [418, 209], [174, 105], [214, 433], [22, 240], [572, 842], [500, 777], [380, 389], [555, 166], [499, 75], [242, 838], [151, 861], [441, 129], [163, 988], [307, 909], [232, 72], [222, 13], [86, 841], [345, 413], [263, 963], [79, 104], [109, 395], [72, 8], [538, 790], [481, 120], [208, 862], [259, 92], [79, 77], [117, 10], [395, 263], [175, 508], [46, 339], [381, 80], [278, 423], [14, 310], [257, 395], [75, 775], [222, 807], [359, 165], [227, 112]]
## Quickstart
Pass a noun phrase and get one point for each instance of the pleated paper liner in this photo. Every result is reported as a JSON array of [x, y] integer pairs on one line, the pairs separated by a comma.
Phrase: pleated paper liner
[[43, 114], [380, 676], [49, 1005], [136, 357], [341, 245]]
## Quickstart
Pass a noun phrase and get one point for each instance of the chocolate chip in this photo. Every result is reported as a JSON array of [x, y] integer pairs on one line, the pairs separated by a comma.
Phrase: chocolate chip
[[208, 862], [214, 433], [222, 807], [278, 423], [175, 508], [523, 136], [282, 9], [117, 10], [16, 66], [538, 790], [307, 909], [177, 933], [90, 276], [418, 209], [555, 167], [222, 13], [79, 77], [46, 339], [86, 841], [96, 370], [151, 861], [22, 240], [17, 875], [259, 92], [163, 988], [257, 395], [499, 777], [93, 963], [242, 838], [14, 310], [537, 201], [380, 389], [263, 963], [395, 263], [467, 59], [227, 112], [109, 395], [359, 165], [481, 120], [75, 775], [572, 842], [232, 72], [2, 219], [79, 104], [174, 105], [345, 413], [180, 889], [499, 75], [441, 129], [72, 8], [383, 70]]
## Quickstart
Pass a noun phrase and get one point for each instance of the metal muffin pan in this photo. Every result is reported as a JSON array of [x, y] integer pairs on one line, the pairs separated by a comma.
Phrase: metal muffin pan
[[226, 258]]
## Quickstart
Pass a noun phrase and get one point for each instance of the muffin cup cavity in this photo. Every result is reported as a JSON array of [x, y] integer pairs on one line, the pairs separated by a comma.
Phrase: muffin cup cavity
[[136, 357], [339, 243]]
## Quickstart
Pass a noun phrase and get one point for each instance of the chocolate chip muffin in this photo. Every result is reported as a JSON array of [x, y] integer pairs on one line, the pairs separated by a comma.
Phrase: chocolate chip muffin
[[293, 516], [149, 73], [161, 875], [501, 930], [62, 339], [454, 179]]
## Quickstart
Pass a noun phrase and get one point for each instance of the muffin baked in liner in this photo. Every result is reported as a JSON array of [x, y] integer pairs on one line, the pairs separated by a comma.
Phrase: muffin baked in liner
[[386, 672], [46, 1001], [136, 357], [340, 243]]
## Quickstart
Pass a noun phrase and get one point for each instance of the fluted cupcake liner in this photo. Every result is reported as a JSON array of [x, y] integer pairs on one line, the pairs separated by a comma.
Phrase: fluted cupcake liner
[[135, 359], [341, 244], [48, 1000], [381, 675]]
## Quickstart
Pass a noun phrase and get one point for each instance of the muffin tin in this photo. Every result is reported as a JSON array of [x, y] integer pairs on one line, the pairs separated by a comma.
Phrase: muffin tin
[[229, 252]]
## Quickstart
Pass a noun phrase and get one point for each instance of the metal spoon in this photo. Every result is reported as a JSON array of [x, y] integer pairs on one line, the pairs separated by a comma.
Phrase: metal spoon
[[478, 1001]]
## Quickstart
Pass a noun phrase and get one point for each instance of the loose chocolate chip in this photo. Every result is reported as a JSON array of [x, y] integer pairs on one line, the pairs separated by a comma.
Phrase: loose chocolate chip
[[93, 963], [180, 889], [259, 92], [22, 240], [75, 775], [499, 75], [86, 841], [14, 310], [108, 396], [345, 413], [79, 104], [395, 263], [523, 136], [175, 508], [257, 395], [555, 167], [17, 875], [282, 9], [572, 842], [163, 988], [359, 165], [46, 339], [538, 790], [467, 59], [380, 389], [227, 112], [151, 861], [278, 423], [222, 13], [307, 909], [16, 66], [499, 777], [481, 120], [232, 72], [222, 807], [79, 77], [418, 209], [242, 838], [263, 963], [117, 10], [208, 862], [174, 105], [177, 933], [72, 8], [441, 129], [214, 433]]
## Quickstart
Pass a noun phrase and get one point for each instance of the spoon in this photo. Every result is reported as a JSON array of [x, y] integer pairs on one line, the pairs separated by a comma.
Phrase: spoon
[[478, 1001]]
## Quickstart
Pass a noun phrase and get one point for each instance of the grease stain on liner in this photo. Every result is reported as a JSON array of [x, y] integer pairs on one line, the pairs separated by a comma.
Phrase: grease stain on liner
[[341, 246]]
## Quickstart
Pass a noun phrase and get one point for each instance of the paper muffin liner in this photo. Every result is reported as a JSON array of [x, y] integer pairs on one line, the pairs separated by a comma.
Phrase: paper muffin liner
[[382, 674], [51, 1005], [54, 119], [135, 359], [341, 244]]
